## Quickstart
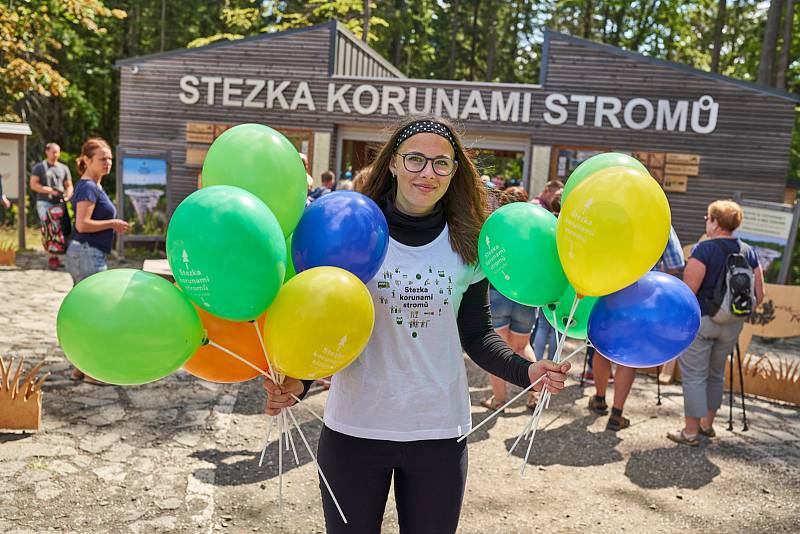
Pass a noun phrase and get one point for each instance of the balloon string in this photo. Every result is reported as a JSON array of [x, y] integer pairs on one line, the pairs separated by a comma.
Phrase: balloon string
[[297, 399], [281, 430], [264, 350], [314, 458], [521, 393]]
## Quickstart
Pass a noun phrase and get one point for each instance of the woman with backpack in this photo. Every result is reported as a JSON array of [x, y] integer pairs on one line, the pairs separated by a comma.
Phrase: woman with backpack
[[725, 275]]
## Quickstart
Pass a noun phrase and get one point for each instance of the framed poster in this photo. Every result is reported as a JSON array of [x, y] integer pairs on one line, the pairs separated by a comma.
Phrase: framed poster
[[9, 167], [143, 198], [770, 228]]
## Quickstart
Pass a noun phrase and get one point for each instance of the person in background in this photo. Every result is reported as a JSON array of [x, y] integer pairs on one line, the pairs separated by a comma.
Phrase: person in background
[[345, 185], [671, 262], [512, 322], [327, 186], [52, 182], [551, 189], [544, 335], [703, 363], [95, 219]]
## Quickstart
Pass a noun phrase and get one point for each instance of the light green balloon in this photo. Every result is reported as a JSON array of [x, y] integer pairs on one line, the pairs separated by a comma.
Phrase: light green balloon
[[227, 252], [127, 326], [517, 251], [580, 319], [290, 272], [597, 163], [262, 161]]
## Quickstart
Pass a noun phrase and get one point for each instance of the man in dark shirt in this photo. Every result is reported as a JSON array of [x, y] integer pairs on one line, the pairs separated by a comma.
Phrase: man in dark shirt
[[52, 182], [325, 188]]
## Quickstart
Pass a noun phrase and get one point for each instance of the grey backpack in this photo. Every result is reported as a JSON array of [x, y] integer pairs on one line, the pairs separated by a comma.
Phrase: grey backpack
[[735, 291]]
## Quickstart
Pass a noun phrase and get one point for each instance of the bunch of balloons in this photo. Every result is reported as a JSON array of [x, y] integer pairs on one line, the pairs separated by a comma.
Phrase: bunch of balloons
[[590, 268], [263, 283]]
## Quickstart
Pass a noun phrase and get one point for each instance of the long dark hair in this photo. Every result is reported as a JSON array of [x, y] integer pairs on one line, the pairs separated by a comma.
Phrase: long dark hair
[[464, 203]]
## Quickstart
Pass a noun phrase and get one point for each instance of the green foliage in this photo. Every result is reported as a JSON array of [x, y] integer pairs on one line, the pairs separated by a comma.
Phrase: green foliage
[[57, 56]]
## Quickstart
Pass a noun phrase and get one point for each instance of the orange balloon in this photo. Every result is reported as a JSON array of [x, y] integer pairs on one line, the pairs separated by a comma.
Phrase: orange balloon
[[239, 337]]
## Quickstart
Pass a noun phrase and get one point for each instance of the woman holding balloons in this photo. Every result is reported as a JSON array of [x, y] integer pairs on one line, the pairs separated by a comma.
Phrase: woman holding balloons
[[398, 410]]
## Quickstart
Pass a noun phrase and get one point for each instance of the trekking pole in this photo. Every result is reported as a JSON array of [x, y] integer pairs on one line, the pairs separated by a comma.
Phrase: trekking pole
[[730, 396], [741, 385], [658, 385]]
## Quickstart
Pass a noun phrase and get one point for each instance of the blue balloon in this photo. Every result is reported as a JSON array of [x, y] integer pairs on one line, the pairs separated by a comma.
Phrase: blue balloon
[[342, 229], [646, 324]]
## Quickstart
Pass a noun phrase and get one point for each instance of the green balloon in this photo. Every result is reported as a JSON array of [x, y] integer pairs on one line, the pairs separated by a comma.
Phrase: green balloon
[[227, 252], [127, 326], [517, 251], [597, 163], [290, 272], [261, 160], [580, 319]]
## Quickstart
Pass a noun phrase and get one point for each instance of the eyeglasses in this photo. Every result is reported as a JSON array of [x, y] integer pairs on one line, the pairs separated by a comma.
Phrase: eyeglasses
[[416, 162]]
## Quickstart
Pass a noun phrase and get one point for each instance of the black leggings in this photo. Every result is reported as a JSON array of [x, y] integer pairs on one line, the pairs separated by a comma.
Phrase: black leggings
[[429, 480]]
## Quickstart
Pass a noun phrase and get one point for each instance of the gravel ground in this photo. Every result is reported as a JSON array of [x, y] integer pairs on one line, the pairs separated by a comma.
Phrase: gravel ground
[[181, 455]]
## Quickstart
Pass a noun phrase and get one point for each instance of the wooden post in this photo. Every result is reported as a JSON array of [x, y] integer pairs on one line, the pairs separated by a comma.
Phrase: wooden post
[[22, 193]]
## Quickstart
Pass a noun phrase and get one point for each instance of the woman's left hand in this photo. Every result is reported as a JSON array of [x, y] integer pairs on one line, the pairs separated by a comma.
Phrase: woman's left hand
[[556, 375]]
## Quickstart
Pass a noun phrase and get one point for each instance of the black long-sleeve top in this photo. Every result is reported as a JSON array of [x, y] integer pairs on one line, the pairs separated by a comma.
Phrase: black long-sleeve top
[[478, 339]]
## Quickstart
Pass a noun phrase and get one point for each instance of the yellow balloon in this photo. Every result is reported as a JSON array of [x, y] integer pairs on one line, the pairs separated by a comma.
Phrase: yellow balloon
[[319, 323], [612, 229]]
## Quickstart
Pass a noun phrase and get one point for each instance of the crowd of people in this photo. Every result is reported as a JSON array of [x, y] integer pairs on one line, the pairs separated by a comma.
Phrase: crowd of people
[[702, 365], [415, 386]]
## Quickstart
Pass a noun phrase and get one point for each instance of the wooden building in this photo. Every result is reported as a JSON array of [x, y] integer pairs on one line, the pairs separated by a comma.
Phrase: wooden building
[[705, 136]]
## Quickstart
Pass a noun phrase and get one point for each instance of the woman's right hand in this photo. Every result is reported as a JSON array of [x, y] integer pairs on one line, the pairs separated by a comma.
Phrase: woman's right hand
[[279, 396], [120, 226]]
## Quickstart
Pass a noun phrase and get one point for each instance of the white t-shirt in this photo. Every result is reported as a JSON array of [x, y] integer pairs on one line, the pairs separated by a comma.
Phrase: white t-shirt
[[410, 382]]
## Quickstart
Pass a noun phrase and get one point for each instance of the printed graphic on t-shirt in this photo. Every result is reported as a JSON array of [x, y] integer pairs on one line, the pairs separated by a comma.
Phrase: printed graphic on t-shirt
[[415, 299]]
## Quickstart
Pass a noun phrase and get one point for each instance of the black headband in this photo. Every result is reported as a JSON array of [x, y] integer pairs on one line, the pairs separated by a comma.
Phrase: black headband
[[425, 126]]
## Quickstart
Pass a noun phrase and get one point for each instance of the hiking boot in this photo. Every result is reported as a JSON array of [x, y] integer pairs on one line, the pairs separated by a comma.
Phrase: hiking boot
[[617, 423], [597, 406]]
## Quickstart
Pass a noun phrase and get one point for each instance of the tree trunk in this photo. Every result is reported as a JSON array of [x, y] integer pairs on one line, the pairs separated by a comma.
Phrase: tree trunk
[[367, 15], [734, 31], [451, 63], [588, 13], [783, 61], [619, 20], [163, 22], [766, 67], [474, 41], [718, 26], [491, 41], [396, 47]]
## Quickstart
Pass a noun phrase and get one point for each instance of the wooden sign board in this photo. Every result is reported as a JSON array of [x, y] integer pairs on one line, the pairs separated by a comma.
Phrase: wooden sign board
[[675, 184], [772, 376], [197, 132], [196, 156], [641, 156], [683, 159], [655, 160], [683, 169], [658, 174], [220, 128], [20, 404]]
